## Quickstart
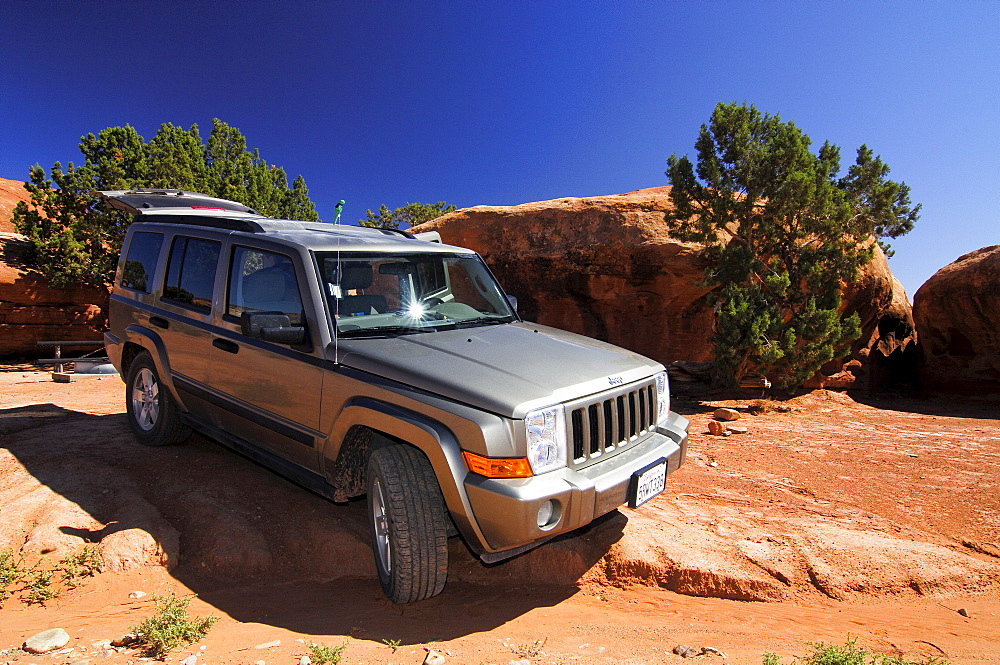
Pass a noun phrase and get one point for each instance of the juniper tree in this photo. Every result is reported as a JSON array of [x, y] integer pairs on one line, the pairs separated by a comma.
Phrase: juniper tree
[[76, 241], [411, 214], [784, 232]]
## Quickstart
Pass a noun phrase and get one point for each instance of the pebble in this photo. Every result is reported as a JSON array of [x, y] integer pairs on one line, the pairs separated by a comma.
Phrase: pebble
[[433, 658], [713, 464], [735, 429], [137, 594], [268, 645], [685, 651], [964, 612], [716, 428], [101, 644], [46, 641], [305, 660], [85, 661], [519, 662], [259, 662], [190, 660], [124, 640]]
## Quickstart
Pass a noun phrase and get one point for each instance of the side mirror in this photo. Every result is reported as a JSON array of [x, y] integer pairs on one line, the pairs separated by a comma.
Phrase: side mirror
[[271, 327], [513, 302]]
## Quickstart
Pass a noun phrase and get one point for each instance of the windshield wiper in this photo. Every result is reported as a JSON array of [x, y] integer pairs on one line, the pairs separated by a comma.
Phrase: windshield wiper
[[479, 320], [384, 330]]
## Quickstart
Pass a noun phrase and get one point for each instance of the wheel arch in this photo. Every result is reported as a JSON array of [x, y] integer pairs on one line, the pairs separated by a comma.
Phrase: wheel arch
[[366, 423], [138, 340]]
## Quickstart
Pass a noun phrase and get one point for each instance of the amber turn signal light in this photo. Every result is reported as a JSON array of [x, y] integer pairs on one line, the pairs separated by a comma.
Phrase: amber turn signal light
[[497, 467]]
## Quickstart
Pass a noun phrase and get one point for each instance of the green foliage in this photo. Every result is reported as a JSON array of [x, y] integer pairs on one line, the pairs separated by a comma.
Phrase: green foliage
[[85, 563], [38, 587], [170, 627], [849, 653], [76, 242], [39, 584], [411, 214], [321, 653], [783, 233], [11, 572]]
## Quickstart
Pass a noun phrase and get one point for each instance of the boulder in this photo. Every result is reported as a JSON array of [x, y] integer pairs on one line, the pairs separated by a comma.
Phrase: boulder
[[956, 312], [606, 267]]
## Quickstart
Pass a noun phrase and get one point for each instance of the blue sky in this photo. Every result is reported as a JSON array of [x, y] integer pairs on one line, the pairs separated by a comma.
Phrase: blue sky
[[508, 102]]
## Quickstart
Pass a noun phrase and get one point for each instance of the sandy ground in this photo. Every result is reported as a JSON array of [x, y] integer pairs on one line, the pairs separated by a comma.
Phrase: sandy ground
[[876, 520]]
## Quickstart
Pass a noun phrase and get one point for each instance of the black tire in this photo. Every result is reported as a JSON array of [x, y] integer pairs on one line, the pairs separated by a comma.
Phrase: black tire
[[409, 523], [152, 412]]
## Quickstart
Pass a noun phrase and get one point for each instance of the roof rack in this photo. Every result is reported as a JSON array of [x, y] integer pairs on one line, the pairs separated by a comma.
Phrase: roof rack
[[226, 223]]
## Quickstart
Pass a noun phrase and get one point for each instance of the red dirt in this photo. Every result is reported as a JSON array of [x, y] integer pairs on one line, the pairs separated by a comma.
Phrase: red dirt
[[877, 520]]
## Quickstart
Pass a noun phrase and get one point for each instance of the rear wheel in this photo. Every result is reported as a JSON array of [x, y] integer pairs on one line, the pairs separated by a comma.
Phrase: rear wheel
[[409, 523], [152, 412]]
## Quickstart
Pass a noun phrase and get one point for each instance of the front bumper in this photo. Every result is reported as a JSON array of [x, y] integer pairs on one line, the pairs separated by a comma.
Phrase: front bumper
[[507, 510]]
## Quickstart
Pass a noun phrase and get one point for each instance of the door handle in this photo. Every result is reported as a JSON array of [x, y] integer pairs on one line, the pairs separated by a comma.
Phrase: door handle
[[226, 345], [159, 322]]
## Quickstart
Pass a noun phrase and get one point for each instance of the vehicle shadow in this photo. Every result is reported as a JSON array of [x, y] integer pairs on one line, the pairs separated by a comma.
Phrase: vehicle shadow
[[255, 546]]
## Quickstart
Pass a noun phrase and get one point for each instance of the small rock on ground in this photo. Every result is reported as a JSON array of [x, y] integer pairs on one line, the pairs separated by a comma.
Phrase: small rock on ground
[[433, 658], [46, 641], [685, 651], [727, 414], [268, 645]]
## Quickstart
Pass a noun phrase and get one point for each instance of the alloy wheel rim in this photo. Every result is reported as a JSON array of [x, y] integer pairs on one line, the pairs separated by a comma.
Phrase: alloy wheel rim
[[381, 527], [145, 399]]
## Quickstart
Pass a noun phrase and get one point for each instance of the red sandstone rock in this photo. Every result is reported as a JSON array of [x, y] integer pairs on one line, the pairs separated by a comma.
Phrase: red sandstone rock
[[11, 192], [606, 267], [32, 311], [957, 311]]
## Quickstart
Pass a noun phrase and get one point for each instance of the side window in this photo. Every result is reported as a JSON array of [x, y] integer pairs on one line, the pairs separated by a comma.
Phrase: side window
[[262, 281], [191, 272], [140, 261]]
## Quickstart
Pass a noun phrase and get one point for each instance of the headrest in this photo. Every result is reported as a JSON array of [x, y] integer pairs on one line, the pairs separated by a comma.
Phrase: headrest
[[356, 275]]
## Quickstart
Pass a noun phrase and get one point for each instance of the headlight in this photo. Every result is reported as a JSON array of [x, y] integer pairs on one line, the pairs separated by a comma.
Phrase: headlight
[[662, 397], [546, 431]]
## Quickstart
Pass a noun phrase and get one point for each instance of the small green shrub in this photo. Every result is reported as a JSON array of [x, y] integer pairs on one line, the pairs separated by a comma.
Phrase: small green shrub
[[85, 563], [321, 653], [849, 653], [170, 627], [38, 587], [12, 571]]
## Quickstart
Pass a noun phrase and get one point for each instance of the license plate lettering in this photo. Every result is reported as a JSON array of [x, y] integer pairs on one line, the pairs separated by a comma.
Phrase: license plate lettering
[[648, 483]]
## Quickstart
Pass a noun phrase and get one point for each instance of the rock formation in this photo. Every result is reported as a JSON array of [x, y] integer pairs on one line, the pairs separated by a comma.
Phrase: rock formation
[[30, 310], [957, 311], [11, 192], [606, 267]]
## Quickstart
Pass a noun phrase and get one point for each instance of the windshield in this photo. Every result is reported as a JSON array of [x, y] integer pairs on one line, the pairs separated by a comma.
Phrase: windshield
[[410, 293]]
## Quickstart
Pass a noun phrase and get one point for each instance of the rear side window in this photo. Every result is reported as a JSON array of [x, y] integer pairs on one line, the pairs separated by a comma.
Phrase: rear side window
[[191, 272], [140, 262]]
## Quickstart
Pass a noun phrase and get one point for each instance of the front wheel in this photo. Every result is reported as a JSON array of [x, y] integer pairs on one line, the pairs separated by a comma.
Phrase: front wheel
[[152, 412], [409, 524]]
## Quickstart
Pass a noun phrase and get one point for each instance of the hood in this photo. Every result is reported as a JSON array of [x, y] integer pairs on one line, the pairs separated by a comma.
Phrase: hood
[[504, 369]]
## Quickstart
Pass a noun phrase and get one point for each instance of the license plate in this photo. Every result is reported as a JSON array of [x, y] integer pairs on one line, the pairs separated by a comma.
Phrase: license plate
[[647, 483]]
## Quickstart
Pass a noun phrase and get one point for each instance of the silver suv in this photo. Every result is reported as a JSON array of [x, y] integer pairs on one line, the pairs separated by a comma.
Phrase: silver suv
[[358, 361]]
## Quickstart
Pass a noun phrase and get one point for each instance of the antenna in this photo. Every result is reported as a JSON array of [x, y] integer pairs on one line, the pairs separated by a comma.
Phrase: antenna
[[339, 208]]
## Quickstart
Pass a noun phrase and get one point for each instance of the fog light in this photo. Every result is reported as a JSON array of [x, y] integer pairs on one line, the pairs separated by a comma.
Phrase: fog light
[[548, 515]]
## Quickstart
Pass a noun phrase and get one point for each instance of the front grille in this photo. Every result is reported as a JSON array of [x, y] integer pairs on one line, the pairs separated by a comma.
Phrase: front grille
[[601, 424]]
